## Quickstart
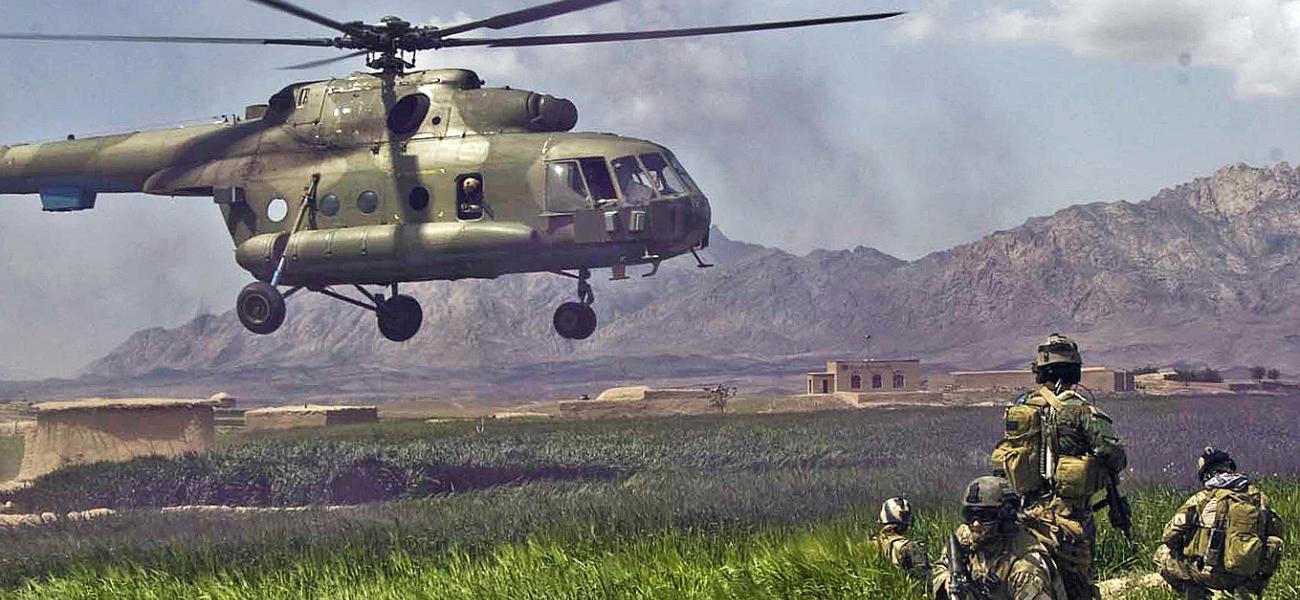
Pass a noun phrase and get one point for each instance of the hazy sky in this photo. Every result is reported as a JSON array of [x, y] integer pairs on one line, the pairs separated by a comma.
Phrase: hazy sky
[[910, 136]]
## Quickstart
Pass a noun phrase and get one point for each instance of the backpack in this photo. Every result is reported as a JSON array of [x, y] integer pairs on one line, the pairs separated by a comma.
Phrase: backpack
[[1020, 454], [1229, 534]]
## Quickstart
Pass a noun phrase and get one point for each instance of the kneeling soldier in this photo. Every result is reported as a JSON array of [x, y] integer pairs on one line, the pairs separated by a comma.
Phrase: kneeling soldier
[[895, 519], [1226, 537], [992, 556]]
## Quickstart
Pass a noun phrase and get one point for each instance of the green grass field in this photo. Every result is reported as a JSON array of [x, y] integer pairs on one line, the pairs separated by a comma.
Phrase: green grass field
[[743, 507]]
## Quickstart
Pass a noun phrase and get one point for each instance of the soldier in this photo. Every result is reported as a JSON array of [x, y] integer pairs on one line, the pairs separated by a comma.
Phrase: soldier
[[1226, 537], [992, 556], [895, 519], [1058, 452]]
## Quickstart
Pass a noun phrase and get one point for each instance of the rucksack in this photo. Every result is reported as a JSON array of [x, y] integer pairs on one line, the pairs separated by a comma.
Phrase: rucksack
[[1023, 455], [1229, 534]]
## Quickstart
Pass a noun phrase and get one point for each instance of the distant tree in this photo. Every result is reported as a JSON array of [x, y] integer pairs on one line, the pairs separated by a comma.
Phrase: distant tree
[[1147, 370], [1274, 374], [1210, 375], [1257, 372]]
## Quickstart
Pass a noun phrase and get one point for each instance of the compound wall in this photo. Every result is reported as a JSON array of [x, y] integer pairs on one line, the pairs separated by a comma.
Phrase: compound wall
[[72, 433]]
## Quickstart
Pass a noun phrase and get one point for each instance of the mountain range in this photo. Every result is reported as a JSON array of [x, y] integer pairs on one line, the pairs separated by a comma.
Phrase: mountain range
[[1204, 273]]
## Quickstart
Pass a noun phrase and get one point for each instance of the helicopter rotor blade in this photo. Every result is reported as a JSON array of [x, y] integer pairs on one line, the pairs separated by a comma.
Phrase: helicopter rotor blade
[[37, 37], [520, 17], [324, 61], [302, 13], [590, 38]]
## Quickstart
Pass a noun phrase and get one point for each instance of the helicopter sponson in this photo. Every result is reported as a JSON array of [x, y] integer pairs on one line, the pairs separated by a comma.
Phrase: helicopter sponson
[[377, 179]]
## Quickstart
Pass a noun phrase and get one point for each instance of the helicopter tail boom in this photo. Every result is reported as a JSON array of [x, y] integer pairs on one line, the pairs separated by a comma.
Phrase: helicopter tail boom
[[69, 174]]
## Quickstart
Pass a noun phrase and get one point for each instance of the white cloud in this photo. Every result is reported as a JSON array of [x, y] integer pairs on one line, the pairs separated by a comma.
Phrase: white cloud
[[1257, 41]]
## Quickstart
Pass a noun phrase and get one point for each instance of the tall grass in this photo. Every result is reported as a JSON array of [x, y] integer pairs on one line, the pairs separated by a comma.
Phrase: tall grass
[[832, 559]]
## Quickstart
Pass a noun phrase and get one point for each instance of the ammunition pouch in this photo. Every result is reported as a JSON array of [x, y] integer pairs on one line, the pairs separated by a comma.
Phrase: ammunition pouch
[[1272, 557], [1078, 477]]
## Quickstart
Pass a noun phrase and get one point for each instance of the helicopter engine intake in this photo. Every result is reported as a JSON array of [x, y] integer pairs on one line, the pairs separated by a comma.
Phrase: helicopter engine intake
[[504, 109]]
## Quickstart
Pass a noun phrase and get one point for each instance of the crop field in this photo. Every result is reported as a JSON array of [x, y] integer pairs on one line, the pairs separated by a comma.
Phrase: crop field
[[748, 506]]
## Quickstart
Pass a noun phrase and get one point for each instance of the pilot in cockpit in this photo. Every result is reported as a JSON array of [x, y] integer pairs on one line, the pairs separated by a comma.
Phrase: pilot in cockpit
[[631, 179]]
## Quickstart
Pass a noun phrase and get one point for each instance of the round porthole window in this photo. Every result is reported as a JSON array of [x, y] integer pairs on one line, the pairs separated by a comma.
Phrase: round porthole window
[[419, 199], [277, 209], [407, 114], [367, 201], [328, 205]]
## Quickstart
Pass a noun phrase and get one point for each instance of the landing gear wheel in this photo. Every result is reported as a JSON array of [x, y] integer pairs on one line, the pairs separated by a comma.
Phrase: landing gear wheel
[[575, 321], [400, 318], [260, 308]]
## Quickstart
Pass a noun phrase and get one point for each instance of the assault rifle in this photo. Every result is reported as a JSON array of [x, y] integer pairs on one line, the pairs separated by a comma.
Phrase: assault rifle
[[964, 586], [1119, 512], [958, 570]]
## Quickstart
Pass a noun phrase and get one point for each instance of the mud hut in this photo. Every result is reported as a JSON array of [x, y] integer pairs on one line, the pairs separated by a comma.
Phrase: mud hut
[[85, 431], [311, 415]]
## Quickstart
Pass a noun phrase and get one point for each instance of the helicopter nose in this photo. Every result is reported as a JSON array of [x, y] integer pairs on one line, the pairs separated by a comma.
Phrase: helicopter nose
[[701, 219]]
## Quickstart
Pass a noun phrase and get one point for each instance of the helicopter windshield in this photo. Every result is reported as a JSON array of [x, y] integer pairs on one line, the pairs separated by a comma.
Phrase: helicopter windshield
[[633, 180], [565, 189], [664, 178], [571, 185]]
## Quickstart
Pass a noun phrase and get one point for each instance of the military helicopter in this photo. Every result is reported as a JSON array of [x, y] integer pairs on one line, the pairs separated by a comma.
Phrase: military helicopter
[[396, 175]]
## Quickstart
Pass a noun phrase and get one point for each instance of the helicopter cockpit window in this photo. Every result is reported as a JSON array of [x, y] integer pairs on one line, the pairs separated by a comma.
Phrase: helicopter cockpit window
[[663, 177], [407, 114], [677, 165], [635, 183], [565, 189], [599, 183]]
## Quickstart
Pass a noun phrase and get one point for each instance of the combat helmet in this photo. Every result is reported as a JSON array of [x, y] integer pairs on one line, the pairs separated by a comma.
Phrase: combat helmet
[[1057, 359], [989, 499], [896, 511], [1210, 458]]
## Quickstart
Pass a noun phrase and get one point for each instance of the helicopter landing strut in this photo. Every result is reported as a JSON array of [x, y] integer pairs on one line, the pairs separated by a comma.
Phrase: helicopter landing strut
[[577, 320], [261, 308]]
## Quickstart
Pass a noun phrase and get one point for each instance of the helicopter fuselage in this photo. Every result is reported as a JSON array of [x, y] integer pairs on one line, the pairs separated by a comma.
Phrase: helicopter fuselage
[[387, 178]]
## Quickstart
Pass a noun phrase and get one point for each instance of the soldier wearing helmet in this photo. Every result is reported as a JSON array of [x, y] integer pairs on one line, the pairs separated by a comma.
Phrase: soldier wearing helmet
[[1059, 451], [1225, 537], [995, 556], [895, 520]]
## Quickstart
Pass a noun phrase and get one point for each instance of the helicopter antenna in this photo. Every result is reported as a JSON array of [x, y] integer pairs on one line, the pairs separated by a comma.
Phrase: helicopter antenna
[[391, 45]]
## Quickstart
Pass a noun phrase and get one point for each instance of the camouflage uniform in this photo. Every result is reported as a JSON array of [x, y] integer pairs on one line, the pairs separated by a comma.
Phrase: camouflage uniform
[[1186, 573], [904, 553], [1077, 430], [1066, 525], [1010, 566], [895, 519], [1005, 562]]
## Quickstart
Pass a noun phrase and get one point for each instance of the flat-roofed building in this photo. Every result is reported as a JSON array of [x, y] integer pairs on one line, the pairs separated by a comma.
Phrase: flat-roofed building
[[1097, 379], [867, 376]]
